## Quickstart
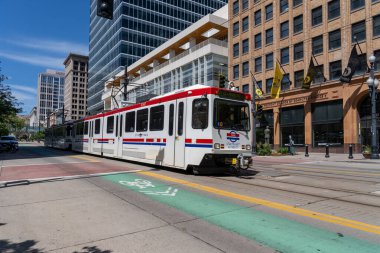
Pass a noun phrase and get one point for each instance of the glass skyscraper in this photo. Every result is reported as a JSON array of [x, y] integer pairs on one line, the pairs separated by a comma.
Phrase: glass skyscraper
[[137, 28]]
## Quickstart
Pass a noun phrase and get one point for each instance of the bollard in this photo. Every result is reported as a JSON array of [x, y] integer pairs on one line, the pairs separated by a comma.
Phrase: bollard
[[306, 151], [327, 151], [350, 156]]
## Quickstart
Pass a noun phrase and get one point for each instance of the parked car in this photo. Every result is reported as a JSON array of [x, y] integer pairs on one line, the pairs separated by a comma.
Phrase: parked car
[[8, 143]]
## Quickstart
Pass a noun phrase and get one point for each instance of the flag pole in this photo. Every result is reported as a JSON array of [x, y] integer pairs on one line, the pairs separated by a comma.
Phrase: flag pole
[[253, 141], [361, 52]]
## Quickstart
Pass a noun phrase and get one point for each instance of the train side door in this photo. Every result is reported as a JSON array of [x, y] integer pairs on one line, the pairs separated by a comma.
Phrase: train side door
[[180, 133], [170, 151], [90, 136], [119, 136]]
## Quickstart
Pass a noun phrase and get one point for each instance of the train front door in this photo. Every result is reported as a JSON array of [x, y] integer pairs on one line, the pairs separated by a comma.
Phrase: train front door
[[175, 142]]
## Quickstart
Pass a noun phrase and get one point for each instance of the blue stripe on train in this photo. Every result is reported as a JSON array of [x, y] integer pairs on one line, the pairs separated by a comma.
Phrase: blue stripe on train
[[198, 146], [145, 143]]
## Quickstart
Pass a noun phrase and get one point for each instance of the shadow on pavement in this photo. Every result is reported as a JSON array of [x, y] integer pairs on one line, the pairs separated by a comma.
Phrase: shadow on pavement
[[31, 151], [22, 247], [92, 249]]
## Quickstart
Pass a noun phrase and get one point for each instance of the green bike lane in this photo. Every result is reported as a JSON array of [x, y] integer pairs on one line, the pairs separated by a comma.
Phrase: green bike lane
[[276, 232]]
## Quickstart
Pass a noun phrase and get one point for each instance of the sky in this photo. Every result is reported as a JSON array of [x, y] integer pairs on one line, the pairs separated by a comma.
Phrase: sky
[[36, 35]]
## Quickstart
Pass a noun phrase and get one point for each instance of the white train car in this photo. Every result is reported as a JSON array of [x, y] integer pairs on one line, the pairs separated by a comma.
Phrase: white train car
[[59, 136], [201, 128]]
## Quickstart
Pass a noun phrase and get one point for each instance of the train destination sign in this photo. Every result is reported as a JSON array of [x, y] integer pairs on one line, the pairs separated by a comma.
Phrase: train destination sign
[[231, 95]]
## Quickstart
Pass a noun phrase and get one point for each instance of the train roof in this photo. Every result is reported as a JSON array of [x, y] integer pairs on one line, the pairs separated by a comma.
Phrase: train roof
[[194, 90]]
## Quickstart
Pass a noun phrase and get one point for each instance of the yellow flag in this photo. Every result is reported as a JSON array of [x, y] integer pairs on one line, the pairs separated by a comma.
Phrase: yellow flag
[[276, 86]]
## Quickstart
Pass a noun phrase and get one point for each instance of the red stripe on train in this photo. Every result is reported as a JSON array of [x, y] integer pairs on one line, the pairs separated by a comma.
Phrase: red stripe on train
[[134, 140], [204, 141], [188, 141], [149, 140]]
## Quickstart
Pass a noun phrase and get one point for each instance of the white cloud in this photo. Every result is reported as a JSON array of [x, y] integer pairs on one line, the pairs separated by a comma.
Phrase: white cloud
[[23, 88], [64, 47], [38, 60]]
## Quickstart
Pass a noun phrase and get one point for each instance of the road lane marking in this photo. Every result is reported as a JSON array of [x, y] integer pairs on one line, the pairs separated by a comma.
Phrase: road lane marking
[[41, 164], [85, 158], [280, 234], [287, 208]]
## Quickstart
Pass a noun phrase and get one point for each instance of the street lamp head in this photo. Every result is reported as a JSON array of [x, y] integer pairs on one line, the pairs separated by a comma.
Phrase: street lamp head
[[370, 82], [372, 59], [375, 83]]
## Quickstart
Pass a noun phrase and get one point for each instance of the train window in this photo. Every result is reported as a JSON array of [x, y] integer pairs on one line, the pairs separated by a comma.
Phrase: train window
[[157, 118], [121, 126], [171, 119], [142, 120], [97, 126], [180, 119], [117, 125], [231, 115], [110, 124], [85, 128], [200, 113], [130, 122]]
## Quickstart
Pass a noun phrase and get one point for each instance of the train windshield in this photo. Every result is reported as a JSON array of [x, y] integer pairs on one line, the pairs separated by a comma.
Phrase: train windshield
[[231, 115]]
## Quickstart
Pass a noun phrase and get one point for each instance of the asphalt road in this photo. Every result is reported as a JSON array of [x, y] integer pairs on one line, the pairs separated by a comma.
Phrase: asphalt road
[[59, 201]]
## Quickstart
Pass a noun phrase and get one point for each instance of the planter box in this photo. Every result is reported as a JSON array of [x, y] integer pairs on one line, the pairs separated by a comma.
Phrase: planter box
[[366, 155]]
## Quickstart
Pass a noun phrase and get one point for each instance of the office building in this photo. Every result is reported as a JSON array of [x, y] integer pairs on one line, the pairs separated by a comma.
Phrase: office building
[[76, 80], [197, 55], [50, 94], [137, 28], [292, 33]]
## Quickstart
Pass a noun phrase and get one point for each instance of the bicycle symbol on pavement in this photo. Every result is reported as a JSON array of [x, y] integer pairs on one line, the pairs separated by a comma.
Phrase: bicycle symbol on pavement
[[144, 184], [139, 183]]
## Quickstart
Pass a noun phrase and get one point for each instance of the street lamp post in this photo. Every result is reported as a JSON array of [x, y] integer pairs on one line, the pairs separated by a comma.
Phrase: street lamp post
[[372, 84]]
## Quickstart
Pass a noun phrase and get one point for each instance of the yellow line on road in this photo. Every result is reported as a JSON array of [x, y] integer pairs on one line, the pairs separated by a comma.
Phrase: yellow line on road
[[326, 170], [287, 208], [86, 158]]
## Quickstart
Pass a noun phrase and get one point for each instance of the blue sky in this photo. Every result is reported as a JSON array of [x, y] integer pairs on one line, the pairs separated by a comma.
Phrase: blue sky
[[36, 35]]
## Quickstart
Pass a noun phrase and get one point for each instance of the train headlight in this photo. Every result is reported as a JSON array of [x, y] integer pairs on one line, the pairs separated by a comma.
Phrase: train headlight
[[216, 146], [248, 147]]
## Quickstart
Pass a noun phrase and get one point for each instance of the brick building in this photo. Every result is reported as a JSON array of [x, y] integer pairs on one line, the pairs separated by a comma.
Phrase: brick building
[[290, 32]]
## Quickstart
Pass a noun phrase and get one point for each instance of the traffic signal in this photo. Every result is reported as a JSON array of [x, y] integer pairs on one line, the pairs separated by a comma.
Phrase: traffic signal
[[259, 109], [222, 81], [105, 9]]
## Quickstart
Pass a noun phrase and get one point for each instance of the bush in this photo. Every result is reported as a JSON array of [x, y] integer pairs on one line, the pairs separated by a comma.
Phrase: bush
[[283, 150], [367, 149], [263, 149]]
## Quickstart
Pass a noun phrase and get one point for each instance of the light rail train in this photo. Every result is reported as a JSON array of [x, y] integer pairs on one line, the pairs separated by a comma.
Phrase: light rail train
[[199, 128]]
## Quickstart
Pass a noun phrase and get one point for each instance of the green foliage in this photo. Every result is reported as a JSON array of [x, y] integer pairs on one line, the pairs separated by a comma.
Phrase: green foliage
[[367, 149], [263, 149], [8, 103], [38, 136], [283, 150]]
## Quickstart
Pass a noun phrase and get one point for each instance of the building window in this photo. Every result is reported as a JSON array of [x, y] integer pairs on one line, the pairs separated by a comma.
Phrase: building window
[[358, 31], [285, 82], [376, 26], [245, 67], [292, 123], [285, 55], [297, 3], [235, 8], [362, 67], [327, 122], [335, 70], [236, 72], [269, 36], [284, 5], [236, 50], [268, 11], [245, 46], [316, 16], [298, 51], [258, 64], [268, 85], [258, 17], [298, 78], [317, 45], [236, 29], [200, 113], [284, 27], [298, 24], [245, 88], [377, 62], [258, 40], [245, 4], [244, 26], [333, 9], [334, 39], [156, 122], [319, 77], [269, 61], [356, 4]]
